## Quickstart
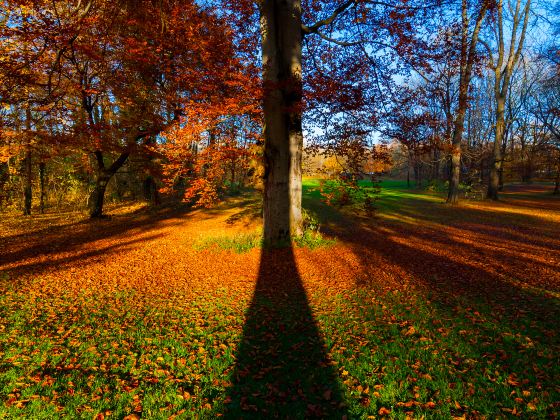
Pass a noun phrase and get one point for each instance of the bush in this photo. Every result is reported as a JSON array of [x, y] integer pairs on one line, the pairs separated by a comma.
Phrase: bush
[[339, 192]]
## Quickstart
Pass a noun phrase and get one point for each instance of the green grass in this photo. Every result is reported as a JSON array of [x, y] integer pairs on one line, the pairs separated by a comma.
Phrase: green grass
[[391, 351], [393, 194], [239, 243], [111, 356], [244, 242], [429, 360]]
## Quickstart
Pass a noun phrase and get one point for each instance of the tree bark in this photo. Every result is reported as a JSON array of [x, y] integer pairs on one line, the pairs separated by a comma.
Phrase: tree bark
[[42, 192], [282, 105]]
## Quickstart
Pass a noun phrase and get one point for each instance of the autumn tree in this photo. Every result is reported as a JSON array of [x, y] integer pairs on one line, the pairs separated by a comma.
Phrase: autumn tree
[[120, 76]]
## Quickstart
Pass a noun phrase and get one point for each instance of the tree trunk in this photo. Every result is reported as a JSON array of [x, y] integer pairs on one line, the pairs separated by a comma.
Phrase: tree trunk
[[97, 196], [27, 189], [42, 193], [4, 178], [557, 180], [494, 183], [435, 168], [27, 165], [467, 56], [282, 57], [417, 174], [150, 190], [501, 176], [104, 175], [455, 178], [408, 171]]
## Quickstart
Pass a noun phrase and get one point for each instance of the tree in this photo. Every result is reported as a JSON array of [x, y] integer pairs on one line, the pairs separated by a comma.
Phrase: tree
[[116, 77], [470, 28], [360, 30], [503, 66]]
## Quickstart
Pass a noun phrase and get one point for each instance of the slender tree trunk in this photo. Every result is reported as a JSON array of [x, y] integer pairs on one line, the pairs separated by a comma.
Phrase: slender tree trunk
[[435, 169], [496, 168], [408, 171], [4, 178], [282, 58], [557, 180], [467, 57], [28, 169], [42, 192], [455, 178]]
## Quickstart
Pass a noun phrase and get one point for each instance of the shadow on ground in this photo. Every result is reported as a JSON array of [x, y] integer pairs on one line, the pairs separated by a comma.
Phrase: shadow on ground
[[282, 368]]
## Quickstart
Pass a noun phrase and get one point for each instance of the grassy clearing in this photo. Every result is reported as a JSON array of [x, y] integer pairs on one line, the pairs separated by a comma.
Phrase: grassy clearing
[[407, 333]]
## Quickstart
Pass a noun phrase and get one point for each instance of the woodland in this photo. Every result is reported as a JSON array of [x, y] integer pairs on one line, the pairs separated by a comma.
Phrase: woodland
[[279, 208]]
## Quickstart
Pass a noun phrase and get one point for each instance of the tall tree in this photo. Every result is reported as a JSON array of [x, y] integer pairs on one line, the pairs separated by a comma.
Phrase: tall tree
[[282, 107], [471, 25], [344, 43], [503, 65]]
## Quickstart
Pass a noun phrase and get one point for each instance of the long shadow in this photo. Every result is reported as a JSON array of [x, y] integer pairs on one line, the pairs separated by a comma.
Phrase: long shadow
[[282, 368], [20, 253]]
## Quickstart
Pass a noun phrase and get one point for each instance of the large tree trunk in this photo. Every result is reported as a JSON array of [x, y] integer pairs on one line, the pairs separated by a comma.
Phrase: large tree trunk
[[494, 183], [104, 175], [281, 54]]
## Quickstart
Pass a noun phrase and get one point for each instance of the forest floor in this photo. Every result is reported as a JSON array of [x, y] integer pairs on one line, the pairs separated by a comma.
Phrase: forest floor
[[422, 310]]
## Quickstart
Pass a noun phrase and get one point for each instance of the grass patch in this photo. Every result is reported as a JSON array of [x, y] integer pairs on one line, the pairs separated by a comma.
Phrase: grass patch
[[239, 243], [244, 242], [312, 240]]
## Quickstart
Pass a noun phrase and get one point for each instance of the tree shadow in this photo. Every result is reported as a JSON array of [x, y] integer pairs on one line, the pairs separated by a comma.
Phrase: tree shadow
[[282, 366], [52, 248]]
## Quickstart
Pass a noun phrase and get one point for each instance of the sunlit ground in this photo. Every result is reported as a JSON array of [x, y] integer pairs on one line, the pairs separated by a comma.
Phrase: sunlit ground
[[422, 310]]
